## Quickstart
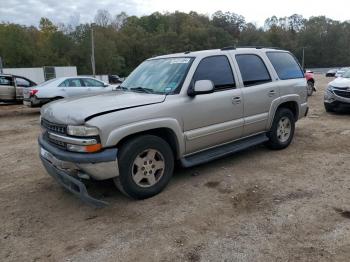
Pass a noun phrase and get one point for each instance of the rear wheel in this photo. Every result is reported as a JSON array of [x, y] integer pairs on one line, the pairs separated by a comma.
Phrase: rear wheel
[[146, 166], [310, 87], [282, 130]]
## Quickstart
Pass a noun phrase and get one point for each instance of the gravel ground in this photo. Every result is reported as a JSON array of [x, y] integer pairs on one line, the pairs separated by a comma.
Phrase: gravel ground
[[258, 205]]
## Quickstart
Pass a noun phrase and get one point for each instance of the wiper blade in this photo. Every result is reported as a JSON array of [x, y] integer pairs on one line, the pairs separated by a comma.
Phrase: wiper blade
[[121, 88], [142, 89]]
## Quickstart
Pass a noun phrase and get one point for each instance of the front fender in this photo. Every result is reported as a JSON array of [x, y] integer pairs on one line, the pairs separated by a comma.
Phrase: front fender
[[130, 129]]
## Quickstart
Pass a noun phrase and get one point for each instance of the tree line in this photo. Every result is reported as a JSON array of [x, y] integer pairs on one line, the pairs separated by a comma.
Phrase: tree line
[[122, 41]]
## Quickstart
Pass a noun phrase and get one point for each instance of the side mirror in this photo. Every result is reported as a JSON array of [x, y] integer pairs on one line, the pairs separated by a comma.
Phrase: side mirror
[[201, 87], [105, 85]]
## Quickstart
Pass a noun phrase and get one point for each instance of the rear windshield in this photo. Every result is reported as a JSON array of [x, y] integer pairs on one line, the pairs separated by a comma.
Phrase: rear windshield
[[285, 65]]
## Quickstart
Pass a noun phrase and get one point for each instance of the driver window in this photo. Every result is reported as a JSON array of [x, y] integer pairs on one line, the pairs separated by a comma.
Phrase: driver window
[[216, 69], [92, 82]]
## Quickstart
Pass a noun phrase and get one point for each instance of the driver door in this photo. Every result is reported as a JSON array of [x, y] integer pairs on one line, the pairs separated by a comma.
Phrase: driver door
[[215, 118], [94, 86]]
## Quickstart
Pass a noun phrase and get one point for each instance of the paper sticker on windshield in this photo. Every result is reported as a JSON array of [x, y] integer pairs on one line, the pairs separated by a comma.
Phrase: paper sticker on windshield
[[180, 61]]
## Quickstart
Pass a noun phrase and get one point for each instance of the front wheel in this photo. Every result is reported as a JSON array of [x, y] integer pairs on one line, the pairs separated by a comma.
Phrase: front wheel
[[282, 130], [146, 166]]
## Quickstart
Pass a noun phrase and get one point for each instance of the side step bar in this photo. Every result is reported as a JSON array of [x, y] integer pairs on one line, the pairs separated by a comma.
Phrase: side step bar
[[224, 150]]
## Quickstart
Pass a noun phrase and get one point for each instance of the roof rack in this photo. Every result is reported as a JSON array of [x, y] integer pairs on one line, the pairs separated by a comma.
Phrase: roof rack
[[256, 47], [228, 48], [187, 52]]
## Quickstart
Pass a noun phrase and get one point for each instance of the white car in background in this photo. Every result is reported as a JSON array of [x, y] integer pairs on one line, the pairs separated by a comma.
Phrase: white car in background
[[64, 87], [337, 94], [341, 71]]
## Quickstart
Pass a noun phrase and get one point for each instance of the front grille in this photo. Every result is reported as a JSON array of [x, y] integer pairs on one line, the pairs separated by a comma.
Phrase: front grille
[[342, 93], [54, 142], [56, 128]]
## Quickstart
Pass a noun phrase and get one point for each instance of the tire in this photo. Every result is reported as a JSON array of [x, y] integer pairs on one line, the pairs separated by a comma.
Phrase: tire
[[146, 165], [279, 139], [310, 88], [328, 107]]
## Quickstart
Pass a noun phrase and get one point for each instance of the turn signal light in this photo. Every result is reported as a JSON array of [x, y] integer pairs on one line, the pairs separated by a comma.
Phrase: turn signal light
[[84, 149]]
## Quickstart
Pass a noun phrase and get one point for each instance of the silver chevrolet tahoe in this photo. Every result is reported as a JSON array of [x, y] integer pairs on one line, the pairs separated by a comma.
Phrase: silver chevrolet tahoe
[[187, 108]]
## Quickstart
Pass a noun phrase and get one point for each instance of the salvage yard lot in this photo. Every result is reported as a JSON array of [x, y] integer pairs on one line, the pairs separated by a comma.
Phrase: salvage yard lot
[[258, 205]]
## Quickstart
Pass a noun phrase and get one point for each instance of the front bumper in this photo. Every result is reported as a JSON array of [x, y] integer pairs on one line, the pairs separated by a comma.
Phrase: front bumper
[[71, 183], [336, 101], [69, 168]]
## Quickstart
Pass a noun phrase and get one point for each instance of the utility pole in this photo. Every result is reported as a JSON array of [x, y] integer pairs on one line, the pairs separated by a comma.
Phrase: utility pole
[[93, 51], [303, 61], [1, 66]]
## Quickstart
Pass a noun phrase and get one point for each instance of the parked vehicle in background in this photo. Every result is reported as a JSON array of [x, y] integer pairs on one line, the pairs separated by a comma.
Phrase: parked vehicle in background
[[341, 71], [115, 79], [64, 87], [12, 86], [337, 94], [185, 107], [310, 79], [332, 72]]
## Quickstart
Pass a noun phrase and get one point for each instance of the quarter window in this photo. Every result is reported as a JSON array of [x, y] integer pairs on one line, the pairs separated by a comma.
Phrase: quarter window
[[216, 69], [253, 70], [286, 65]]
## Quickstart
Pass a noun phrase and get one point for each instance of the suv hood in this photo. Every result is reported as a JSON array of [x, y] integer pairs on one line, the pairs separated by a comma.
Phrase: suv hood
[[340, 82], [75, 111]]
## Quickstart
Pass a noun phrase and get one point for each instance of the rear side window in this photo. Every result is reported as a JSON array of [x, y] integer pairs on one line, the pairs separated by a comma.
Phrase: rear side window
[[253, 69], [71, 83], [216, 69], [285, 65], [22, 82]]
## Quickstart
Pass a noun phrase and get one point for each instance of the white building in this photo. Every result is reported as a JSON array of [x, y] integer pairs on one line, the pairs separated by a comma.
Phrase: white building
[[42, 74]]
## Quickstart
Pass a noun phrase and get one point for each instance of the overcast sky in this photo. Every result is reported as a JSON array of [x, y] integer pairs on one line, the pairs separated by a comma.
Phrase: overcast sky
[[28, 12]]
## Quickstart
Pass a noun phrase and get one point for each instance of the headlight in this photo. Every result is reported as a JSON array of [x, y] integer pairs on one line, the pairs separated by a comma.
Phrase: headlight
[[82, 131], [330, 88]]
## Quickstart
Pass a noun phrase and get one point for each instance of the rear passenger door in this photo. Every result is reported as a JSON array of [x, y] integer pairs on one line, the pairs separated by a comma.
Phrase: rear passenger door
[[215, 118], [74, 87], [258, 92], [94, 86], [21, 83]]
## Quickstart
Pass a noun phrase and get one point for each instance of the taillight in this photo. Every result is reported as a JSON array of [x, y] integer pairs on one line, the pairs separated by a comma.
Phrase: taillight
[[33, 92]]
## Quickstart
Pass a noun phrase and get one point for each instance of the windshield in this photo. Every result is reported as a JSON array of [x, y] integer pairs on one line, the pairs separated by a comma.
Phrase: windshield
[[346, 74], [161, 76]]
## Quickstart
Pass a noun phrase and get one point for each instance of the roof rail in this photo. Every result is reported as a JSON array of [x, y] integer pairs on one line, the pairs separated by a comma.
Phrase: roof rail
[[187, 52], [228, 48], [256, 47]]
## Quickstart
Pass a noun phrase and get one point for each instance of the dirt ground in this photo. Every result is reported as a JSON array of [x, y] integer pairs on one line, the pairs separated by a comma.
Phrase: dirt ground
[[259, 205]]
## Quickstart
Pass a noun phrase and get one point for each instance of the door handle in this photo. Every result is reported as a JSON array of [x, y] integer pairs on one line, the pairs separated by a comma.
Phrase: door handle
[[236, 100], [272, 93]]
